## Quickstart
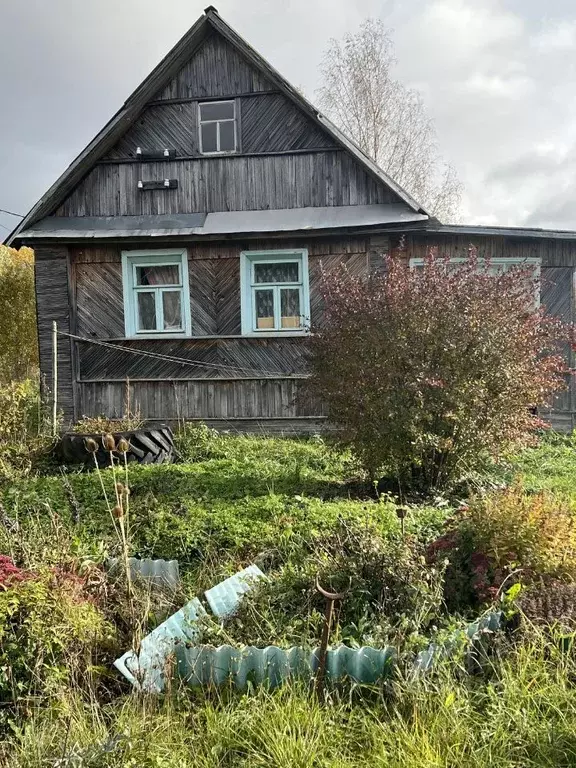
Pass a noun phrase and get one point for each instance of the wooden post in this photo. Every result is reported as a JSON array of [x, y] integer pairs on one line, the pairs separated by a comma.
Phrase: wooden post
[[54, 378]]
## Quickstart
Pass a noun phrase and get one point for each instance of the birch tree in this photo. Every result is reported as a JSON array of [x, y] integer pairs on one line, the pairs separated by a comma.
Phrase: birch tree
[[386, 119]]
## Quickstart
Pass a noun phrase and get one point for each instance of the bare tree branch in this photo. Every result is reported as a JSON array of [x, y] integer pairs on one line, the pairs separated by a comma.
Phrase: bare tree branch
[[386, 119]]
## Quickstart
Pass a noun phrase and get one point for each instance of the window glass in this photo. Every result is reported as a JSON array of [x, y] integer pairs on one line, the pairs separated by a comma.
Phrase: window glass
[[158, 275], [227, 136], [264, 300], [146, 311], [172, 310], [209, 137], [276, 272], [290, 308], [217, 110]]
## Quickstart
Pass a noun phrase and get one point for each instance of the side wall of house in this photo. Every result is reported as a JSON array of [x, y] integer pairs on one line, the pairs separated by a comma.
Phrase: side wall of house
[[218, 375]]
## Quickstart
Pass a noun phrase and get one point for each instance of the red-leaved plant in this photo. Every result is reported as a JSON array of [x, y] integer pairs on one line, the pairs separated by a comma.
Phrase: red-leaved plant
[[429, 369]]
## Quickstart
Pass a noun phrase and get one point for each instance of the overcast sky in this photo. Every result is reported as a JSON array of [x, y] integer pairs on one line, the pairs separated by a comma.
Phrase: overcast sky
[[497, 76]]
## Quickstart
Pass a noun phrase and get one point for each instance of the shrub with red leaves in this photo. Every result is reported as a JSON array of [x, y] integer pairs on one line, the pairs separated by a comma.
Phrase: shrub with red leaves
[[10, 573], [430, 369]]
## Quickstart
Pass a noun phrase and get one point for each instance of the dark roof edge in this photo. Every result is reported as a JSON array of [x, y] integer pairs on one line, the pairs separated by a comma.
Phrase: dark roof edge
[[500, 231], [168, 67]]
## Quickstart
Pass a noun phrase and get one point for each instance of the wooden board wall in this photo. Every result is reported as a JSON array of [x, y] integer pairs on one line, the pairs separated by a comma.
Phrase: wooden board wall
[[267, 123], [53, 304], [233, 183], [283, 159], [213, 377]]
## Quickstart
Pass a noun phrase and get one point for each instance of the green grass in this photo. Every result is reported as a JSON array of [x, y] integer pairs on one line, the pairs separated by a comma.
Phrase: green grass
[[240, 498], [522, 714]]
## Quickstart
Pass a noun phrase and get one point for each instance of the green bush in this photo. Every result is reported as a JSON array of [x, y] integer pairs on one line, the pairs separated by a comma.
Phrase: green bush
[[24, 442], [49, 631], [19, 349], [503, 537], [390, 593]]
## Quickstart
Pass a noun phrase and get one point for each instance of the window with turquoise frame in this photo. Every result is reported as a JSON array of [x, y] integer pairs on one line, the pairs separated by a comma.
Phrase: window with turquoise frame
[[275, 292], [156, 293]]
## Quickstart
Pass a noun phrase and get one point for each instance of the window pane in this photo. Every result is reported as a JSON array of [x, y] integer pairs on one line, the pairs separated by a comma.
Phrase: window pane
[[209, 137], [172, 307], [146, 311], [158, 275], [227, 142], [264, 301], [217, 110], [277, 272], [290, 308]]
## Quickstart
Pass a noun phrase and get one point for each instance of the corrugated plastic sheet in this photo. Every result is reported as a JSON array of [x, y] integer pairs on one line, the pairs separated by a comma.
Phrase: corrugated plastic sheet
[[146, 669], [162, 573], [223, 599], [205, 665]]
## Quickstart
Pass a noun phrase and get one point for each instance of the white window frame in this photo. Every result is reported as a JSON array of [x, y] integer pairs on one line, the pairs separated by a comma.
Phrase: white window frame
[[504, 261], [131, 260], [248, 259], [234, 120]]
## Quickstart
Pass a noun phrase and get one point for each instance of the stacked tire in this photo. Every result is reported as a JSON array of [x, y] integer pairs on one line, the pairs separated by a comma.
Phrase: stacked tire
[[146, 446]]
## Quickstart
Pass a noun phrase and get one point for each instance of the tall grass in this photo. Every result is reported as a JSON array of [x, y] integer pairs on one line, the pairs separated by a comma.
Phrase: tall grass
[[520, 713]]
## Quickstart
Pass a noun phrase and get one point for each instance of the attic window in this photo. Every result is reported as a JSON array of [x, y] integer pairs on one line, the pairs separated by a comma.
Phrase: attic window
[[217, 121]]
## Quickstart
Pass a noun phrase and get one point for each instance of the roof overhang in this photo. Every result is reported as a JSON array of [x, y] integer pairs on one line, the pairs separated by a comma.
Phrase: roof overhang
[[225, 223]]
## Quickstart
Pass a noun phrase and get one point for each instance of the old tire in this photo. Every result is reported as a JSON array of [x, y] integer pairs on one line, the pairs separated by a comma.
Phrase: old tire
[[147, 446]]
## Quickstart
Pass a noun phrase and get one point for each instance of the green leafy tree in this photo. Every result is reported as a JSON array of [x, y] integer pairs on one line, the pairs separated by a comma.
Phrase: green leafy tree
[[19, 348]]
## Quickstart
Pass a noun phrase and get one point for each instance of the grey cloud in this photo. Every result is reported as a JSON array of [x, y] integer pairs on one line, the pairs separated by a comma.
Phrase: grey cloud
[[495, 95]]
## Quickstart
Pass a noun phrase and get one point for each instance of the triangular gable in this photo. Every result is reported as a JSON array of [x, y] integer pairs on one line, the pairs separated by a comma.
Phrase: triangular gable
[[164, 81]]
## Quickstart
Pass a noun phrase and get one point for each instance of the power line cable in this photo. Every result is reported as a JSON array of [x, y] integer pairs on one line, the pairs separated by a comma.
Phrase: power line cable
[[11, 213]]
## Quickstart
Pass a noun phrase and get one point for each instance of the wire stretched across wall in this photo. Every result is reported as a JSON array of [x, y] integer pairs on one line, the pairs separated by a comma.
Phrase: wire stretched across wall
[[179, 360]]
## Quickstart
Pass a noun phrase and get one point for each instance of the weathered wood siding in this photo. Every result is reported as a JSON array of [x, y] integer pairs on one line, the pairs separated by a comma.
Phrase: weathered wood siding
[[267, 123], [283, 159], [217, 69], [232, 183], [53, 304], [218, 374]]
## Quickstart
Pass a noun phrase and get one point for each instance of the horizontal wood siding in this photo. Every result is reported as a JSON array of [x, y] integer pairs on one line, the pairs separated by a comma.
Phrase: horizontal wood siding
[[176, 400], [52, 304], [234, 183], [216, 69]]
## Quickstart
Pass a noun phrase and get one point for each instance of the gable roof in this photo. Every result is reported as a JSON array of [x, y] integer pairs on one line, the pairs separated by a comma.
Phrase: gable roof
[[163, 73]]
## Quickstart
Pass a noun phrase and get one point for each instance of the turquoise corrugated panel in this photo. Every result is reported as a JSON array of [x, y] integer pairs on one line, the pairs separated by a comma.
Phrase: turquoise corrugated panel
[[223, 599], [205, 665], [164, 573], [489, 623], [146, 669]]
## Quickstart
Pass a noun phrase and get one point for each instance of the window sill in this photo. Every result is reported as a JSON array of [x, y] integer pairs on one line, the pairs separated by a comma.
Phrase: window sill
[[170, 337]]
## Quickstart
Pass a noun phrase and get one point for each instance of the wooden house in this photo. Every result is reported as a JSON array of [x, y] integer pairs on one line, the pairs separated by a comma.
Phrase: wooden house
[[180, 253]]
